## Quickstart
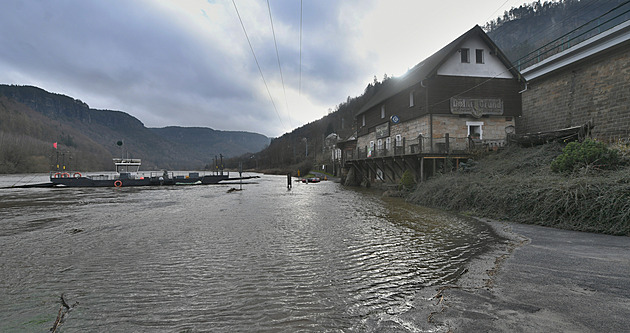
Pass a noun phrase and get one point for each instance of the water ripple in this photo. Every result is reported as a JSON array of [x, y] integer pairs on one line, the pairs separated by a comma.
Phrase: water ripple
[[195, 259]]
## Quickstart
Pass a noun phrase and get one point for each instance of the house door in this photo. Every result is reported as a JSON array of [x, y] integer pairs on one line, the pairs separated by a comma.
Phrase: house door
[[475, 129]]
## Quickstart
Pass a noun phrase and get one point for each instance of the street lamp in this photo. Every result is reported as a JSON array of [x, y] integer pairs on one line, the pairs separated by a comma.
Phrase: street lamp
[[255, 159]]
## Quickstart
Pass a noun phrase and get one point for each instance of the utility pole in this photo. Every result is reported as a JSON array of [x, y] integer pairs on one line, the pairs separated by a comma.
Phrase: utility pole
[[221, 164]]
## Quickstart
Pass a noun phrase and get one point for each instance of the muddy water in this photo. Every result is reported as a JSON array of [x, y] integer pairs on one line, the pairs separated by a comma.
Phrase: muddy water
[[198, 259]]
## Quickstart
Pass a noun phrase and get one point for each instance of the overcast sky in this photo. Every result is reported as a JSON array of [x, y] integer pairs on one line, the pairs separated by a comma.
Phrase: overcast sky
[[188, 62]]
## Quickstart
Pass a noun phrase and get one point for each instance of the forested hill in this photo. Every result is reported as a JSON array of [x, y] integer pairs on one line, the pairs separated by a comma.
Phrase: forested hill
[[31, 119], [530, 26]]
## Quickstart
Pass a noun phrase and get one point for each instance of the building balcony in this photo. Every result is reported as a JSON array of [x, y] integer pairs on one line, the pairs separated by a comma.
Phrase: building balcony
[[421, 145]]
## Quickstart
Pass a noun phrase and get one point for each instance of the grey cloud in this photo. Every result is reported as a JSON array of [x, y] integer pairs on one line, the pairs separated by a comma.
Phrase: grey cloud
[[135, 57]]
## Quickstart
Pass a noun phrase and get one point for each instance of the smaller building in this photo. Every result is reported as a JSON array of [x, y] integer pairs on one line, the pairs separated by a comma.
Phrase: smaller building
[[465, 95]]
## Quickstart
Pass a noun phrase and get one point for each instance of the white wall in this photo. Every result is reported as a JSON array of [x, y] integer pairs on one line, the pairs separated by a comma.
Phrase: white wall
[[492, 66]]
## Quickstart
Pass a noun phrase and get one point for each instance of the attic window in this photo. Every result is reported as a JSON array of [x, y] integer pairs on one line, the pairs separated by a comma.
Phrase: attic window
[[411, 101], [465, 53], [479, 56], [382, 111], [362, 120]]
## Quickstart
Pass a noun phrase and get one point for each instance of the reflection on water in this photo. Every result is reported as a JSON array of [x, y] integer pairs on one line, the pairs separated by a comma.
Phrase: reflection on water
[[173, 259]]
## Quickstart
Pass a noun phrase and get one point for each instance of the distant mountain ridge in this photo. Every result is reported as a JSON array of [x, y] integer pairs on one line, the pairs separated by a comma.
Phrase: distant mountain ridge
[[32, 118]]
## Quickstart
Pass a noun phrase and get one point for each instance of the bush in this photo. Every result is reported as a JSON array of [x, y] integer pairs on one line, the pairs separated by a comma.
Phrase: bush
[[623, 146], [586, 155], [406, 181]]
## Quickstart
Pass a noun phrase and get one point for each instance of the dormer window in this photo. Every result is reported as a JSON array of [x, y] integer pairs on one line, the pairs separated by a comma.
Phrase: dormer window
[[479, 56], [382, 111], [465, 54]]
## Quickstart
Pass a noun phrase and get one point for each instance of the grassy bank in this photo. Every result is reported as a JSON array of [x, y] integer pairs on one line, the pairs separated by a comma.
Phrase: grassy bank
[[518, 185]]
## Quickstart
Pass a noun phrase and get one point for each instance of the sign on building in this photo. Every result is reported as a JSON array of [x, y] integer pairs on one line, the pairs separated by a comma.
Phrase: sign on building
[[382, 130], [477, 107]]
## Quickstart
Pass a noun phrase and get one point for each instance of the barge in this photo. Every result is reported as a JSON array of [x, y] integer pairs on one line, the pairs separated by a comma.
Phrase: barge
[[126, 174]]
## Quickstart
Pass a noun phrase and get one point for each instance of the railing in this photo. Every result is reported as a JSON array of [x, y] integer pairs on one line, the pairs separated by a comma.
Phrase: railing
[[422, 145], [590, 29], [137, 175]]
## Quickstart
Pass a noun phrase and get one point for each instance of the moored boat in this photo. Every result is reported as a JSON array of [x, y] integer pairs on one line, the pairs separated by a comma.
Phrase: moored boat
[[127, 174]]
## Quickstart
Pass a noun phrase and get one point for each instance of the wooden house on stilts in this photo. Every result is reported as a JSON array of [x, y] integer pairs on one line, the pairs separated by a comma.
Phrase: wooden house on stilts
[[463, 97]]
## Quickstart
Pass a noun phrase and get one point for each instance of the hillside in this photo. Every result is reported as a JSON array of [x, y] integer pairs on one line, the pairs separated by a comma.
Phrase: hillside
[[203, 141], [31, 119], [518, 185], [26, 138], [526, 28], [288, 152]]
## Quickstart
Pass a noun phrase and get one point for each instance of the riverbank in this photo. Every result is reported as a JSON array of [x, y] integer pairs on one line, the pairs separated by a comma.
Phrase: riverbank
[[540, 280], [518, 185]]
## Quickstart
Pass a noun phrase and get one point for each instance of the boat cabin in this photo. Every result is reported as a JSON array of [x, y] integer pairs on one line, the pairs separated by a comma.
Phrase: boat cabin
[[127, 168], [127, 165]]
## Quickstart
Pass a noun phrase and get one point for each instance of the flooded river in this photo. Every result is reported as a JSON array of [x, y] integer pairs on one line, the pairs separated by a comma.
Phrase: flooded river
[[199, 259]]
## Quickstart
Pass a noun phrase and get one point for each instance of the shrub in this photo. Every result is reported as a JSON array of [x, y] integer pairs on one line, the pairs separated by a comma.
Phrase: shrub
[[406, 181], [623, 146], [585, 155]]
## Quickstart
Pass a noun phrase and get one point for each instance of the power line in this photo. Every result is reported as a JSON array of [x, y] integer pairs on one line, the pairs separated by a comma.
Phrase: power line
[[273, 31], [515, 66], [548, 31], [574, 30], [491, 15], [258, 64], [300, 47]]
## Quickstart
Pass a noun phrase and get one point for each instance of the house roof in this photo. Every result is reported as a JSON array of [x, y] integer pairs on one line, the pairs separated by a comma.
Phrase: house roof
[[428, 68], [610, 39]]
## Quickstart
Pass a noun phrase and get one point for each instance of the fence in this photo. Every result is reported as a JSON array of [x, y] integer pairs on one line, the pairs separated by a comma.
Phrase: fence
[[422, 145]]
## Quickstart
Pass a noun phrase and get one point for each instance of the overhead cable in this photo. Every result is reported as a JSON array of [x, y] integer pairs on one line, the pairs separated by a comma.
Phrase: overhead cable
[[300, 47], [515, 66], [258, 64], [279, 66]]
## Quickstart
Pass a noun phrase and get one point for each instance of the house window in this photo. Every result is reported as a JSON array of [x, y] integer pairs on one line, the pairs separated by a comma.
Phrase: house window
[[388, 143], [475, 129], [379, 174], [465, 53], [363, 120], [411, 101], [382, 111], [371, 149], [398, 140], [479, 56], [379, 144]]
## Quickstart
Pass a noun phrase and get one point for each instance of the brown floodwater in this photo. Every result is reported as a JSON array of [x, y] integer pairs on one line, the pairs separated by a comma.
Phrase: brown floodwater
[[319, 257]]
